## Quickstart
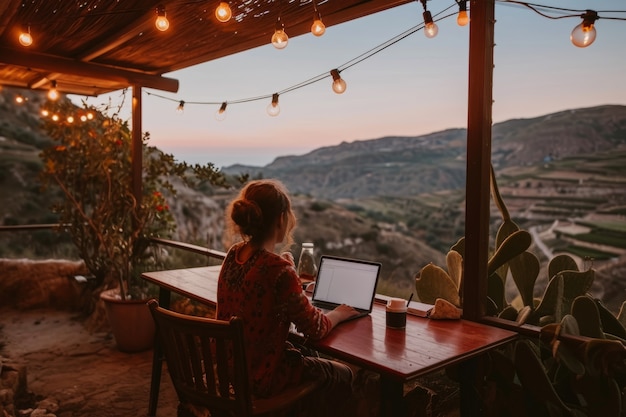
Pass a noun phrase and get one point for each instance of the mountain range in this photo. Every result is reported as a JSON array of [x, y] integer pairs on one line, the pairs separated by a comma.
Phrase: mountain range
[[402, 166]]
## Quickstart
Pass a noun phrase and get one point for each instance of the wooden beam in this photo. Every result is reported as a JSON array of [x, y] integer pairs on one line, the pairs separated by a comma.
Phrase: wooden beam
[[477, 189], [62, 65], [137, 145]]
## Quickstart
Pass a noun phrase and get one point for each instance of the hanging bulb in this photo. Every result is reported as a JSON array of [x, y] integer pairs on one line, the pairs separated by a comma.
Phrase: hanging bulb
[[339, 85], [318, 27], [55, 117], [45, 113], [19, 99], [25, 38], [70, 119], [90, 116], [430, 27], [273, 109], [83, 118], [53, 93], [584, 34], [280, 38], [220, 115], [462, 19], [223, 12], [181, 107], [161, 21]]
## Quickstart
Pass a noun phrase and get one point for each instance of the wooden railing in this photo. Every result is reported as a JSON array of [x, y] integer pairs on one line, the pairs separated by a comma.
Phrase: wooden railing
[[201, 250]]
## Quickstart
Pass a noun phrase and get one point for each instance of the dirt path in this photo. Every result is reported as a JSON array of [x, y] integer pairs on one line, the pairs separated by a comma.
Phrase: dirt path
[[83, 373]]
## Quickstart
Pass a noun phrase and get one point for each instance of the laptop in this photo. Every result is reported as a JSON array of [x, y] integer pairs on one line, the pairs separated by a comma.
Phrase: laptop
[[346, 281]]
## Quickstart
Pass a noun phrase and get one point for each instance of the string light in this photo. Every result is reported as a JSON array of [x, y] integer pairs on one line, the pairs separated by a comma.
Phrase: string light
[[462, 19], [584, 34], [181, 107], [430, 27], [161, 21], [45, 113], [25, 38], [223, 12], [19, 99], [339, 85], [53, 93], [280, 38], [273, 109], [220, 115], [317, 28]]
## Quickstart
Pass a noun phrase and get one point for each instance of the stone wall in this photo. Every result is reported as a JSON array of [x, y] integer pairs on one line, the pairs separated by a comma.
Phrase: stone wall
[[27, 284]]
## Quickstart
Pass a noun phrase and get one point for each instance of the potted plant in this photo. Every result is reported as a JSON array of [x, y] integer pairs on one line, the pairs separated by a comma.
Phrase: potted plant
[[91, 164]]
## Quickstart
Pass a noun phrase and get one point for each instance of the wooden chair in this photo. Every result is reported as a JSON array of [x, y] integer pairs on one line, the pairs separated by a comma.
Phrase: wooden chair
[[207, 364]]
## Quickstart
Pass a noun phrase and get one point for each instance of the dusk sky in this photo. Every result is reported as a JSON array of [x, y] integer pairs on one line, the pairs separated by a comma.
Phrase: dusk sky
[[414, 87]]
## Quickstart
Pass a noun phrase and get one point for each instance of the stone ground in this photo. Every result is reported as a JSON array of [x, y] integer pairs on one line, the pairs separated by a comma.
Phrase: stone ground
[[85, 375]]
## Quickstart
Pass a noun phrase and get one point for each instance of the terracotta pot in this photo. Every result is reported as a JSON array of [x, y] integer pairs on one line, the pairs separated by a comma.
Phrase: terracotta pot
[[131, 322]]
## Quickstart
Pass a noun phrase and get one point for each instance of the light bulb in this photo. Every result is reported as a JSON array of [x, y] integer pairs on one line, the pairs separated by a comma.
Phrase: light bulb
[[280, 38], [25, 38], [45, 113], [19, 99], [53, 93], [318, 27], [161, 21], [430, 27], [89, 116], [273, 109], [462, 19], [55, 117], [584, 34], [220, 115], [181, 107], [70, 119], [339, 85], [83, 118], [223, 12]]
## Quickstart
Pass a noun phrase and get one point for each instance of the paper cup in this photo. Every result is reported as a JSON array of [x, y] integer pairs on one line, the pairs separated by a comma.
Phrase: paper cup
[[396, 313]]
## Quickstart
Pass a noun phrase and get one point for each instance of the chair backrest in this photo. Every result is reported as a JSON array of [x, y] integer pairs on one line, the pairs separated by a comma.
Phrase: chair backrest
[[206, 360]]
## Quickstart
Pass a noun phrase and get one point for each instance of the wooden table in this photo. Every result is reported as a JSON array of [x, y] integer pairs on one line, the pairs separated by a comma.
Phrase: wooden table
[[399, 356]]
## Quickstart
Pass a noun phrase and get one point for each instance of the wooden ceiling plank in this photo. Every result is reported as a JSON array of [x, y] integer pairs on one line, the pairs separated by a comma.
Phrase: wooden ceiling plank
[[87, 69]]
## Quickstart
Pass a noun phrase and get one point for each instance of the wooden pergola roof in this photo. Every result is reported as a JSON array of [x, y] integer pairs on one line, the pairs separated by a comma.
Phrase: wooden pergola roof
[[90, 47]]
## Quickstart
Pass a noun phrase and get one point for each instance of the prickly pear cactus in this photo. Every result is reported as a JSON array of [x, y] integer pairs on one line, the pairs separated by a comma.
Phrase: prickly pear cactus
[[511, 258]]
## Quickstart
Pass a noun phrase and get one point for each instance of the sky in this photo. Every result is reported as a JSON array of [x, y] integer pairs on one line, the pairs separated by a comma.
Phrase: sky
[[414, 87]]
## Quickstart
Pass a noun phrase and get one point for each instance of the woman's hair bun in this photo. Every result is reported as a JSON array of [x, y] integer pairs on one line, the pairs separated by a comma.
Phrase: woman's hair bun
[[248, 216]]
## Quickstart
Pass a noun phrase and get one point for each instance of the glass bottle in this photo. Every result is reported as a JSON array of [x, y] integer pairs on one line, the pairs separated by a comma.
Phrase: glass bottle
[[307, 267]]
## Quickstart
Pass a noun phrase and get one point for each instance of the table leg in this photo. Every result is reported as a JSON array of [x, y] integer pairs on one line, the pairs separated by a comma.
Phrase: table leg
[[469, 373], [157, 360], [392, 402]]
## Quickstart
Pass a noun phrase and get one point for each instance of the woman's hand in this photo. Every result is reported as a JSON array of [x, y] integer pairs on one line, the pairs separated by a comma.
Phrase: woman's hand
[[341, 313]]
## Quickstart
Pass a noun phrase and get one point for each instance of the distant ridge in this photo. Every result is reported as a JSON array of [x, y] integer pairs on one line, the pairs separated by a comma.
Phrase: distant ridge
[[399, 166]]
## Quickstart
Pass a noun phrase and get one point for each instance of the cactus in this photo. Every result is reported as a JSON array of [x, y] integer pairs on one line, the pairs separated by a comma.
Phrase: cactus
[[433, 282], [590, 370], [566, 282]]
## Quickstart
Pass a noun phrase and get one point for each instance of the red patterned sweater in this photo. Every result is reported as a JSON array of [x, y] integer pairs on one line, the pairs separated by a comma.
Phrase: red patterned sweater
[[265, 292]]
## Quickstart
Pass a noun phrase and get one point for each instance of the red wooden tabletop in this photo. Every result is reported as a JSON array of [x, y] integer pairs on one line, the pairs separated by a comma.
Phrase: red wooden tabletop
[[424, 346]]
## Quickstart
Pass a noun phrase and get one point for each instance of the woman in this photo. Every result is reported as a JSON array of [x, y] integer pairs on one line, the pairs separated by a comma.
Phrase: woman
[[263, 288]]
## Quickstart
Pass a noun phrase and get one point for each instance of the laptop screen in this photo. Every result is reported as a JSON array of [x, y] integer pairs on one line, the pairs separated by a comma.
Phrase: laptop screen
[[346, 281]]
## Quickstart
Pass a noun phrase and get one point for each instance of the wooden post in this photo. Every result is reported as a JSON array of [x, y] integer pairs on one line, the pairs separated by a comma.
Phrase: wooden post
[[477, 189], [477, 197], [137, 144]]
